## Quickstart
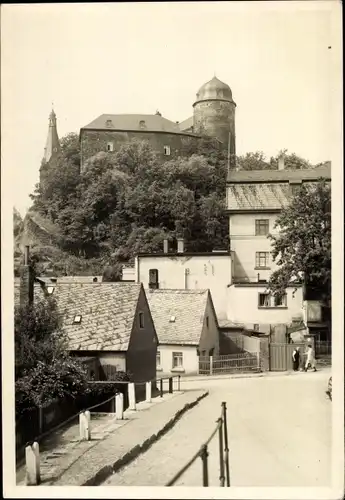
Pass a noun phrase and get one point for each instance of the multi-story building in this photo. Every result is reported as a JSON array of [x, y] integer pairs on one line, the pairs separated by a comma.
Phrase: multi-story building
[[254, 200]]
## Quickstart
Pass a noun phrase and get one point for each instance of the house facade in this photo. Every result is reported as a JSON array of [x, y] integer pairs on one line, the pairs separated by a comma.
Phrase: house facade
[[186, 326], [110, 322], [254, 200], [187, 271]]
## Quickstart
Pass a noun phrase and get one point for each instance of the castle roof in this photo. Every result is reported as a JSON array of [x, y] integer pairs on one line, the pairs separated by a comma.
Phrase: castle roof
[[133, 122], [214, 89]]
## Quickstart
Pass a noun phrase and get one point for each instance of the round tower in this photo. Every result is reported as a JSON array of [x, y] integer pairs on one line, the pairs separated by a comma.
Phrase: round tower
[[214, 113]]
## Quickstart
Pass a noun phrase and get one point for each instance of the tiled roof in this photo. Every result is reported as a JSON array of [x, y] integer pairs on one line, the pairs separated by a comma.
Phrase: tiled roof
[[256, 196], [153, 123], [280, 175], [107, 311], [187, 306], [186, 124]]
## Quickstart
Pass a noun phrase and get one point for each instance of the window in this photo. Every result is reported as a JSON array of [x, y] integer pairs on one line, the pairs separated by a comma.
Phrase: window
[[142, 124], [256, 327], [77, 319], [153, 279], [50, 290], [158, 359], [268, 300], [109, 124], [110, 146], [177, 359], [261, 260], [261, 227], [172, 319], [141, 320], [207, 321], [167, 151], [279, 300], [264, 300]]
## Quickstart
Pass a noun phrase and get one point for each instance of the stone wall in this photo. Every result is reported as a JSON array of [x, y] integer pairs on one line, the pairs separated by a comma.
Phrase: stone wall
[[217, 119], [94, 141]]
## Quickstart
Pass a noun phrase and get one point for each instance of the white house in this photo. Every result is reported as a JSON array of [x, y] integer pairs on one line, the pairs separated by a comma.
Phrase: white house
[[254, 200], [186, 326], [187, 271]]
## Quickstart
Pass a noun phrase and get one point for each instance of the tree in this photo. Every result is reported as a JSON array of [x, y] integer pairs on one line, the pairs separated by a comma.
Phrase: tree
[[43, 368], [302, 248]]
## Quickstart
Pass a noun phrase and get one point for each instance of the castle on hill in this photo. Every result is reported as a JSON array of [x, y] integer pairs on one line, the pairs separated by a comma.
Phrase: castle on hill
[[213, 116]]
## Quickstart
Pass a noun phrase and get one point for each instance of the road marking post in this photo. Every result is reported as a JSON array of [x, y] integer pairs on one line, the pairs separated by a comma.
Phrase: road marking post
[[148, 392], [119, 406], [32, 463], [131, 396]]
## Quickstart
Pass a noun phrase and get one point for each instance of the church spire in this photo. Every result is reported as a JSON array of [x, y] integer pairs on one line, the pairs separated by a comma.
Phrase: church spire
[[53, 144]]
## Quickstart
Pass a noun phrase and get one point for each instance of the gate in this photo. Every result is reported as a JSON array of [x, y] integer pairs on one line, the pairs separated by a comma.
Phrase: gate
[[281, 356]]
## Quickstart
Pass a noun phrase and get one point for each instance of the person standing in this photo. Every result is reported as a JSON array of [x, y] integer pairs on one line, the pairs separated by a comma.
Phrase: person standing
[[310, 361], [295, 359]]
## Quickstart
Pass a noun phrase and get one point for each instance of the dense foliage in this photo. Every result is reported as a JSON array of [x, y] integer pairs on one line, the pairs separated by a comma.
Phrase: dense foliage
[[129, 201], [43, 368], [302, 249]]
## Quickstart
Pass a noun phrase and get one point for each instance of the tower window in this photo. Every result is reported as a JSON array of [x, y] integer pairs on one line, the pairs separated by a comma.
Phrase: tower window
[[109, 124], [110, 146], [167, 151], [142, 124]]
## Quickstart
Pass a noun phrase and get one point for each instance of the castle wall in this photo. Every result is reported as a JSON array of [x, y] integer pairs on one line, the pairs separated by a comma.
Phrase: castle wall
[[94, 141], [216, 118]]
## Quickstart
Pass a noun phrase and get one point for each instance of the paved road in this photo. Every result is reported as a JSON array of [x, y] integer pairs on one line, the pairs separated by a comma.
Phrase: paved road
[[279, 431]]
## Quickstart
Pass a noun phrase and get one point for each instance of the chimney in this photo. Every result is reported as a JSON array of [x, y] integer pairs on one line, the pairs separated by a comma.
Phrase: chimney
[[165, 246], [26, 295], [180, 245], [281, 162]]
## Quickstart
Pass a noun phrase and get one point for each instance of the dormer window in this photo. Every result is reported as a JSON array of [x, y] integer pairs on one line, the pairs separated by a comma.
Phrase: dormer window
[[50, 290], [167, 151], [172, 319], [77, 319], [295, 186], [142, 124], [110, 146], [109, 124]]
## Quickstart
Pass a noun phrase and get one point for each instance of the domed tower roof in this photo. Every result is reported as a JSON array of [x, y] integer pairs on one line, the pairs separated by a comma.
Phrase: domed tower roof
[[214, 89]]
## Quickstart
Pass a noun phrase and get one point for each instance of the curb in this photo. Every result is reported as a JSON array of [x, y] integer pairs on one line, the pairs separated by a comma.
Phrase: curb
[[206, 378], [106, 471]]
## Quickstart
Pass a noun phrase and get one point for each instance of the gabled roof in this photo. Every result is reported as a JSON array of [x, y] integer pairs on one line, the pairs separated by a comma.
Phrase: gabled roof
[[134, 122], [268, 189], [257, 176], [186, 306], [107, 313], [253, 196]]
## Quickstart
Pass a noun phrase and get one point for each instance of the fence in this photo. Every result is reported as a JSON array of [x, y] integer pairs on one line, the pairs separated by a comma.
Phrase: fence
[[242, 362], [224, 468], [127, 390], [117, 404]]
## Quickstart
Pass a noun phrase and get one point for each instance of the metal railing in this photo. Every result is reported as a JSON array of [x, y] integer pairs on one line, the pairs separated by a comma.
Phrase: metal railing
[[203, 453]]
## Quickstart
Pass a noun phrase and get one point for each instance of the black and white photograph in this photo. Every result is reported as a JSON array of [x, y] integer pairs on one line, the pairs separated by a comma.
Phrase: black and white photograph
[[172, 250]]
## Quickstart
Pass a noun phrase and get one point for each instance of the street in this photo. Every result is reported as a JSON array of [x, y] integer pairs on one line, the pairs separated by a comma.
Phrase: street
[[279, 435]]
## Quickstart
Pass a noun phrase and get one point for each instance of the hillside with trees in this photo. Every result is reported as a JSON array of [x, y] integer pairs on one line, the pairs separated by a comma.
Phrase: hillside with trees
[[128, 202]]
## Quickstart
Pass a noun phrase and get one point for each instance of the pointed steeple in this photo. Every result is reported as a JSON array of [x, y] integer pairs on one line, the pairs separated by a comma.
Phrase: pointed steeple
[[53, 144]]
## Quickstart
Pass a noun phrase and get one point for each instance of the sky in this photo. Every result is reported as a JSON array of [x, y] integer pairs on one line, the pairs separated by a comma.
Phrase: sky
[[90, 59]]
